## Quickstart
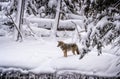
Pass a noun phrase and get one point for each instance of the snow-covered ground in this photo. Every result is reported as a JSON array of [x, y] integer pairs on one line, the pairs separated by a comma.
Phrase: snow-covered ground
[[43, 55]]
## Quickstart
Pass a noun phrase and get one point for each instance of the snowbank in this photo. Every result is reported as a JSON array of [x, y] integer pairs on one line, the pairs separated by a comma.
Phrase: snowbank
[[48, 23], [44, 56]]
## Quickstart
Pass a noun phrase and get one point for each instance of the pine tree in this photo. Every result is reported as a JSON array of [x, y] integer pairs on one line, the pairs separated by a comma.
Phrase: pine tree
[[102, 23]]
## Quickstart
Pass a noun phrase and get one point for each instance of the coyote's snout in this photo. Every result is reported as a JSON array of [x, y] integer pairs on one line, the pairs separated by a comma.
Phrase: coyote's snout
[[68, 47]]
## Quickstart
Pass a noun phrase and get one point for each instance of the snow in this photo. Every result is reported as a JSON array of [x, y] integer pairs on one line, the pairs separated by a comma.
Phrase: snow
[[48, 23], [43, 55], [52, 3], [2, 32], [4, 4], [15, 55], [73, 16]]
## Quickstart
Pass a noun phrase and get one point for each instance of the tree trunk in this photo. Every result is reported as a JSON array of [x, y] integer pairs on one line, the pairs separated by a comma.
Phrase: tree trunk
[[57, 18], [19, 20]]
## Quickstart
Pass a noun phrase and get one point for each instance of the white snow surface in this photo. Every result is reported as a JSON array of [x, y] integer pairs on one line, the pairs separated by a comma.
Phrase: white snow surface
[[43, 55], [48, 23]]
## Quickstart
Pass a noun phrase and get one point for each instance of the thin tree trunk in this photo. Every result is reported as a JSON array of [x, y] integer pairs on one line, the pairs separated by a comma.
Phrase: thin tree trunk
[[59, 12], [19, 19], [57, 19]]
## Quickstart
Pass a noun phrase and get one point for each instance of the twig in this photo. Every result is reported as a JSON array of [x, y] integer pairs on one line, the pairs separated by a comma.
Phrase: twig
[[117, 3]]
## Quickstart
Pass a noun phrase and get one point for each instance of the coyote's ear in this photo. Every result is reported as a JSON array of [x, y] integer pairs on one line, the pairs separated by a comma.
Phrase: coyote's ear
[[58, 41]]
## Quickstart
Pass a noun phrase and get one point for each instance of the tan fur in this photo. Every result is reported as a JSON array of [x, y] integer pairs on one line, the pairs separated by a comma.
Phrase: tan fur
[[68, 47]]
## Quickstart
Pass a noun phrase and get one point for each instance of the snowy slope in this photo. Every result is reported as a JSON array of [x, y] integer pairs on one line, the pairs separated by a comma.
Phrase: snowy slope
[[40, 56]]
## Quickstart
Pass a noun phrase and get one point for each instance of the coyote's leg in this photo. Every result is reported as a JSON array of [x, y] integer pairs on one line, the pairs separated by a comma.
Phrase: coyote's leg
[[73, 51], [65, 53]]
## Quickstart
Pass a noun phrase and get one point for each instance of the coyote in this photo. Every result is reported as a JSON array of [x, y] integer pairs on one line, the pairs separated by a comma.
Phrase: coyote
[[68, 47]]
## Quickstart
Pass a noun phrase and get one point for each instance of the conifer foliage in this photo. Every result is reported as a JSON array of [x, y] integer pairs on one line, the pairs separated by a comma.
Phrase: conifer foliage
[[102, 23]]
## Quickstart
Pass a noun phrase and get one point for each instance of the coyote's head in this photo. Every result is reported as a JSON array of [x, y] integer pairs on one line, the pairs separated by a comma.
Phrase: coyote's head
[[60, 43]]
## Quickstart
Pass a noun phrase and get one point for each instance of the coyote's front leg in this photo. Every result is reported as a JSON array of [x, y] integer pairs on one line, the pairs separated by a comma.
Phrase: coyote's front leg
[[65, 53]]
